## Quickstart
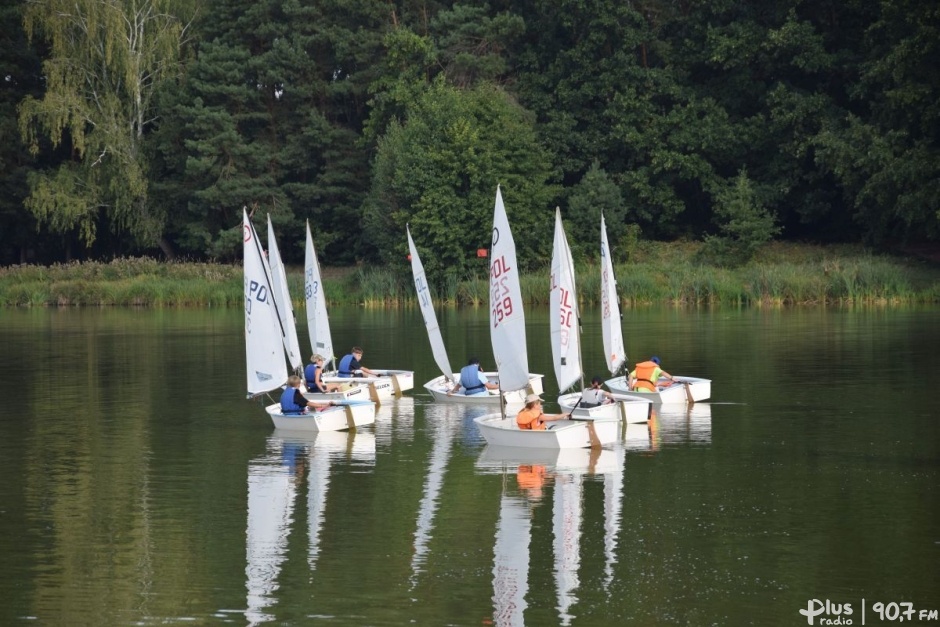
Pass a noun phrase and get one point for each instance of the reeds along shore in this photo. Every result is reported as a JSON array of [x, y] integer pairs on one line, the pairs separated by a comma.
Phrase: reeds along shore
[[782, 276]]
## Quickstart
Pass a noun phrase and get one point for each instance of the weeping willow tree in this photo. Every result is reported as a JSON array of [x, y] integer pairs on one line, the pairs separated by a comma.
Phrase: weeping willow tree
[[106, 60]]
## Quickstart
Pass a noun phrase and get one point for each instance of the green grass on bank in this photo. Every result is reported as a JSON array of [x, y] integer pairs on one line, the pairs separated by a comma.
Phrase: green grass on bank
[[783, 274]]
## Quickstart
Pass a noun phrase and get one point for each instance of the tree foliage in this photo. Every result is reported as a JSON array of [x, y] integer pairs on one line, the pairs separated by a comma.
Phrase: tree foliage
[[744, 225], [361, 116], [105, 62], [438, 171]]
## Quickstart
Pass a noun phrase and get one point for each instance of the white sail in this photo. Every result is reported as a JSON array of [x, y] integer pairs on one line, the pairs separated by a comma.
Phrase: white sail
[[427, 311], [563, 312], [285, 308], [614, 352], [507, 320], [511, 562], [264, 356], [318, 325], [567, 528], [271, 494]]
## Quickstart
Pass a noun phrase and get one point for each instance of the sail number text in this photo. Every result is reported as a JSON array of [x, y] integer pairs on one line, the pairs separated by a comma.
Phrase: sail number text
[[500, 294]]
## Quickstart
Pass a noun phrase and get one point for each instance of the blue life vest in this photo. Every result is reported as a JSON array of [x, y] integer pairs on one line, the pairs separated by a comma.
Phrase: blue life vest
[[344, 364], [470, 379], [310, 374], [288, 406]]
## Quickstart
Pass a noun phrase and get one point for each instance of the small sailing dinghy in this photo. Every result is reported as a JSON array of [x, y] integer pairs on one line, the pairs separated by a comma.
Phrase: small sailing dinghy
[[682, 390], [389, 383], [507, 334], [564, 325], [440, 387], [632, 409], [685, 390], [265, 341]]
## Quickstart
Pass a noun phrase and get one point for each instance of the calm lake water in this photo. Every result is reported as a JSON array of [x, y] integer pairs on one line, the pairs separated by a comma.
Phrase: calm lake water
[[140, 487]]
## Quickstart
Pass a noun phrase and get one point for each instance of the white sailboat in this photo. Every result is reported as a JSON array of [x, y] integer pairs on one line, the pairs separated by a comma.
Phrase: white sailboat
[[285, 308], [631, 409], [507, 334], [388, 384], [564, 324], [686, 389], [265, 342], [440, 387]]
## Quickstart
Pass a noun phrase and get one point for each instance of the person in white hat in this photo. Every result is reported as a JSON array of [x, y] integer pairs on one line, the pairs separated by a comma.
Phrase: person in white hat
[[531, 417]]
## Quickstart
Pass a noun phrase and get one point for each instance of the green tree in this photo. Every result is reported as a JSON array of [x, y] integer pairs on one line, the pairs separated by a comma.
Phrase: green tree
[[106, 59], [20, 75], [273, 108], [438, 170], [744, 224], [885, 153], [596, 194]]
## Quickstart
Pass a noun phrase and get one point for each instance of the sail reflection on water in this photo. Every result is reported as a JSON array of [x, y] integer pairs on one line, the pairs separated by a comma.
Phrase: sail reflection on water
[[272, 488], [394, 420], [536, 470], [273, 482], [444, 422]]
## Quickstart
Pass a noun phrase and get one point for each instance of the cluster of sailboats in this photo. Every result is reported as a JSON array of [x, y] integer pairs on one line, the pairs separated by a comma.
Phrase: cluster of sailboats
[[270, 335], [590, 421]]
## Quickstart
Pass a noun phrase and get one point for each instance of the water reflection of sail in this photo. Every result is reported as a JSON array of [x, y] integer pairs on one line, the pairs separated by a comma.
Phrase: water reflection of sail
[[511, 561], [567, 529], [271, 493], [444, 421], [568, 467], [325, 447], [395, 419], [613, 504]]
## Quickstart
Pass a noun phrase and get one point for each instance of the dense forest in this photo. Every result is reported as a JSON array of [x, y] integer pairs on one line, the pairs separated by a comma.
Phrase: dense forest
[[143, 128]]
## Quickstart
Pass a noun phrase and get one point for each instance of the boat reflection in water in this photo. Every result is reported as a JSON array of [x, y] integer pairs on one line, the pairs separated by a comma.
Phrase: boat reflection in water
[[535, 470], [684, 424], [444, 423], [273, 482], [671, 425], [395, 419]]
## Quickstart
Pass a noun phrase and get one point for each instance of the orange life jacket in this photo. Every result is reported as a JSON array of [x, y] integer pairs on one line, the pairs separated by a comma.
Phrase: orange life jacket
[[529, 419], [644, 375]]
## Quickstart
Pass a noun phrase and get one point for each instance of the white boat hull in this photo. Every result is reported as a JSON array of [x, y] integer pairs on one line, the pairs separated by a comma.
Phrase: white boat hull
[[402, 380], [501, 431], [701, 390], [631, 410], [331, 419], [351, 392], [439, 387], [380, 388]]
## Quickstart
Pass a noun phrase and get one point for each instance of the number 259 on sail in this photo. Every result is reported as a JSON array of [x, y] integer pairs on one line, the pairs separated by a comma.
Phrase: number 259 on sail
[[502, 310]]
